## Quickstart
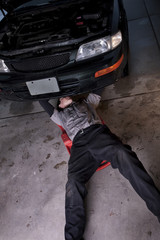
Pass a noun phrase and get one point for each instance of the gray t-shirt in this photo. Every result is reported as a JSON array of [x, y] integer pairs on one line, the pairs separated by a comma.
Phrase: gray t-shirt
[[78, 115]]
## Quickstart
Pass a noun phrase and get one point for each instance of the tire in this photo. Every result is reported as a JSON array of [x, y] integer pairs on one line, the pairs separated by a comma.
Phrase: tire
[[125, 72]]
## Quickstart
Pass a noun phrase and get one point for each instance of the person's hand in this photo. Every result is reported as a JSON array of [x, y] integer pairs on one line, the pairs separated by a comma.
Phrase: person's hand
[[65, 102]]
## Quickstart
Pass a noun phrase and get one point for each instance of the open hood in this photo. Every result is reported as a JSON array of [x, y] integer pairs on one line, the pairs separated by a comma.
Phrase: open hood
[[9, 5]]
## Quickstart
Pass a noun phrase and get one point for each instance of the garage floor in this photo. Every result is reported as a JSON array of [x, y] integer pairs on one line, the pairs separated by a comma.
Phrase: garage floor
[[33, 159]]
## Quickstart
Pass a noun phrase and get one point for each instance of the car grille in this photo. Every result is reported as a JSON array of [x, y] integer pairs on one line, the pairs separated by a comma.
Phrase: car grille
[[41, 63]]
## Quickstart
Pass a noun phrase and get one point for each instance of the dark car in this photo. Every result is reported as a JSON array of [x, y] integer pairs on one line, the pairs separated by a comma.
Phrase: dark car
[[55, 48]]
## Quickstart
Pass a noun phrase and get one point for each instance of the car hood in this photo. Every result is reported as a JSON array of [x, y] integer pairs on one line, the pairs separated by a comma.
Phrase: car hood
[[10, 5]]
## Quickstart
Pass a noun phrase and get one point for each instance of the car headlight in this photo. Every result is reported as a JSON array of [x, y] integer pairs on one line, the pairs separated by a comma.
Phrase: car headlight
[[3, 67], [99, 46], [116, 39]]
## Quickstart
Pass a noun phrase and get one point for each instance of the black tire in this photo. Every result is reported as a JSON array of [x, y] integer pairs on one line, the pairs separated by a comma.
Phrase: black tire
[[124, 26], [125, 72]]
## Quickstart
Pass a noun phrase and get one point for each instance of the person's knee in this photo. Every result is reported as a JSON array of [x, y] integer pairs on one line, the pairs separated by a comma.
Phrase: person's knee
[[123, 155], [119, 155], [74, 188], [70, 186], [73, 183]]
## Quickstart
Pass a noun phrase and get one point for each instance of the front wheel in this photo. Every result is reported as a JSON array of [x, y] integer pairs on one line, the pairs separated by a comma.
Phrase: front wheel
[[125, 72]]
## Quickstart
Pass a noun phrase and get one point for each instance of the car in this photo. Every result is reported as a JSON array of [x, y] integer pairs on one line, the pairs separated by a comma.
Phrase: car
[[57, 48]]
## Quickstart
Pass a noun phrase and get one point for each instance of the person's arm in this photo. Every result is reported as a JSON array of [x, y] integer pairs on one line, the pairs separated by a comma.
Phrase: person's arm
[[52, 112], [47, 107], [94, 99]]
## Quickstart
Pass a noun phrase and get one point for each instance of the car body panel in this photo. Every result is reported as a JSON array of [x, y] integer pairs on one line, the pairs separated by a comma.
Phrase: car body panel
[[33, 53]]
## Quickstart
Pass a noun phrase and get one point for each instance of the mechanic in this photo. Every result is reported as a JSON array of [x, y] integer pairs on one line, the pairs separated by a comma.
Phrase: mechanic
[[92, 143]]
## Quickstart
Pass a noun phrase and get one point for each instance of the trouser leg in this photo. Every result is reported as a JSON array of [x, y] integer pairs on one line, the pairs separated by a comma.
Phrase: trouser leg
[[131, 168], [75, 210], [122, 157], [81, 168]]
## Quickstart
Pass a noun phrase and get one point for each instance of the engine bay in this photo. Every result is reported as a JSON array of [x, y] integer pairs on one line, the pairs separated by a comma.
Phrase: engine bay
[[54, 24]]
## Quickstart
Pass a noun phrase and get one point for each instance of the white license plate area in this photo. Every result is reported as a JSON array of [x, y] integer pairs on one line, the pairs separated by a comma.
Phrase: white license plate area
[[43, 86]]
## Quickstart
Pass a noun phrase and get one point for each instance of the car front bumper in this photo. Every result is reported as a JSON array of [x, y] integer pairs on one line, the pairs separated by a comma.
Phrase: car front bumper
[[73, 78]]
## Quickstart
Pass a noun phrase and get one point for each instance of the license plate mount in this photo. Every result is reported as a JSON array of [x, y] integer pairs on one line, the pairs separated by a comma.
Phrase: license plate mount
[[43, 86]]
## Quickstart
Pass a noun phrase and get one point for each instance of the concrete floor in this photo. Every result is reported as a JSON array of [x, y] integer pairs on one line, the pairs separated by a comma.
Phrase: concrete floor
[[33, 159]]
